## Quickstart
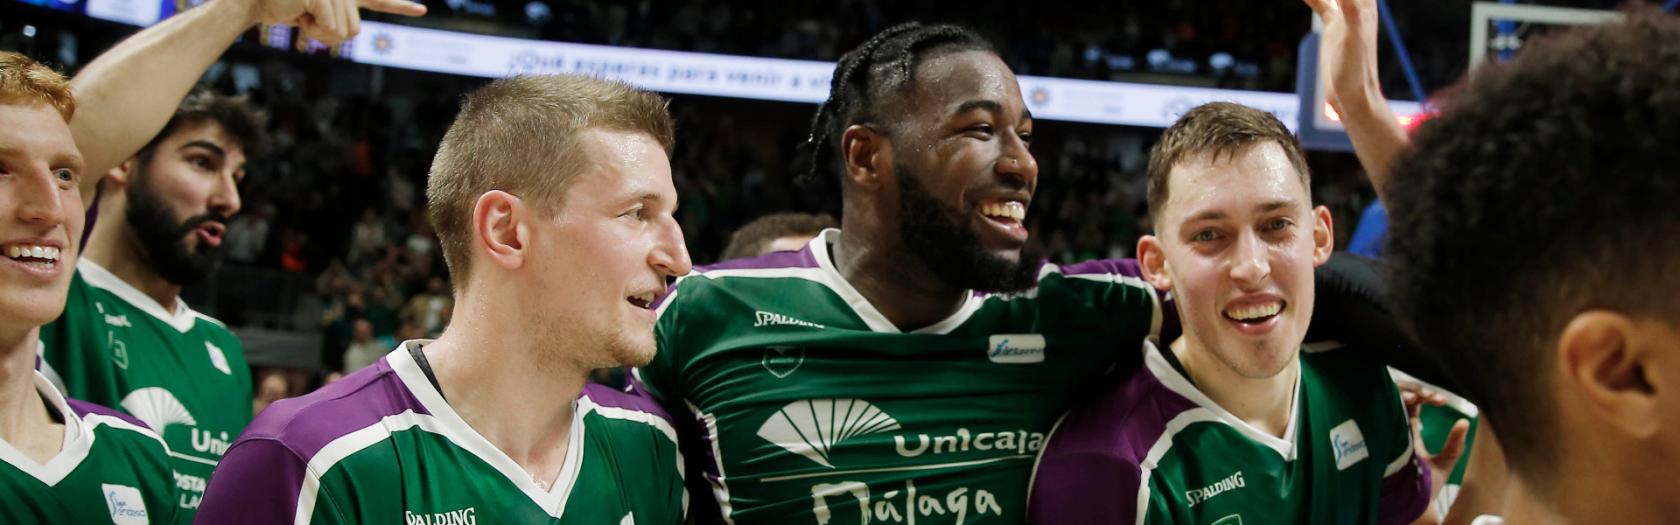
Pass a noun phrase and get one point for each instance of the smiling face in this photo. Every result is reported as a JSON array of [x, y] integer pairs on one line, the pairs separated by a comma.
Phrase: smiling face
[[180, 196], [601, 261], [964, 175], [1237, 243], [40, 213]]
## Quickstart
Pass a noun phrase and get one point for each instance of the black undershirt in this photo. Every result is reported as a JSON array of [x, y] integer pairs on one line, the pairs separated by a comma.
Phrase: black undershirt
[[425, 367]]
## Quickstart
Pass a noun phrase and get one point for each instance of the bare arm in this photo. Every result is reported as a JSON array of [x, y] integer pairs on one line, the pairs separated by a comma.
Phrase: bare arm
[[125, 96], [1348, 58]]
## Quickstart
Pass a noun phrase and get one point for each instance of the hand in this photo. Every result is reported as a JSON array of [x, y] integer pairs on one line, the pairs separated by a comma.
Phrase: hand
[[1414, 396], [1347, 48], [330, 21]]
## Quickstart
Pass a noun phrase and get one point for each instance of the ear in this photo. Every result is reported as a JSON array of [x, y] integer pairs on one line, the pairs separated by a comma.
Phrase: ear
[[499, 229], [119, 177], [1609, 367], [1153, 261], [867, 154], [1324, 235]]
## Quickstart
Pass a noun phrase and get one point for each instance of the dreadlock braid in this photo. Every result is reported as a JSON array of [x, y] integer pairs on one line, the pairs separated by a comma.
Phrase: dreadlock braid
[[884, 63]]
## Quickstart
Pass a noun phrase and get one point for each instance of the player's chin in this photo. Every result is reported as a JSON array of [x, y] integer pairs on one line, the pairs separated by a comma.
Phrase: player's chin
[[638, 351]]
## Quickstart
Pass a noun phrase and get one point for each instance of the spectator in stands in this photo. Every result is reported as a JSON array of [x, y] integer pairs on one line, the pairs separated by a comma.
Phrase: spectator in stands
[[777, 232], [431, 307], [364, 349]]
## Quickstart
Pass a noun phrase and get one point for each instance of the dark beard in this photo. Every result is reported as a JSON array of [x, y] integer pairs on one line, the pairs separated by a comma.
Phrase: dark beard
[[165, 242], [937, 236]]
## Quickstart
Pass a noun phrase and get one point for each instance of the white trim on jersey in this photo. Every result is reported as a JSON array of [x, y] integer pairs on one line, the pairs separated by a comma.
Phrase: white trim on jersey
[[1159, 450], [552, 501], [98, 277], [77, 440], [1462, 405], [1169, 377], [586, 405], [443, 421], [720, 486]]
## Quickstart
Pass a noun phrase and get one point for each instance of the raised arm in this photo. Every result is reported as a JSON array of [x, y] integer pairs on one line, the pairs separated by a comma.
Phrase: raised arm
[[1348, 59], [127, 95]]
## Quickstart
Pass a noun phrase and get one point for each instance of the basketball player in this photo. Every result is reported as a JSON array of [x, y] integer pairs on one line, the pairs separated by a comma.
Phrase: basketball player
[[553, 201]]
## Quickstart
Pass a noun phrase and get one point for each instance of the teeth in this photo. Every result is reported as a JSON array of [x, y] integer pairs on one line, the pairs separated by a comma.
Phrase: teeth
[[34, 252], [1255, 312], [1007, 209]]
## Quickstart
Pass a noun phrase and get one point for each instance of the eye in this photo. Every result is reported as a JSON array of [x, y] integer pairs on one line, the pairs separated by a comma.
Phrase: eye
[[638, 213], [1279, 224], [1205, 236], [983, 129], [65, 175], [1027, 137], [201, 162]]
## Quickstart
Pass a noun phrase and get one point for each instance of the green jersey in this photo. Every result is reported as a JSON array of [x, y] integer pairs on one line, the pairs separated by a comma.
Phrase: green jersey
[[382, 445], [1155, 449], [810, 407], [110, 469], [182, 373]]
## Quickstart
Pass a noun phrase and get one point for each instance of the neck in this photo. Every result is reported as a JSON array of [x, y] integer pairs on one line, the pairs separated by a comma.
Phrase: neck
[[908, 293], [114, 246], [25, 421], [1603, 479], [513, 392], [1263, 403]]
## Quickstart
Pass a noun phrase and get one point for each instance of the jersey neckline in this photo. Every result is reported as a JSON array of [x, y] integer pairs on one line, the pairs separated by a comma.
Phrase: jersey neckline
[[97, 276], [458, 432], [1179, 384], [77, 440]]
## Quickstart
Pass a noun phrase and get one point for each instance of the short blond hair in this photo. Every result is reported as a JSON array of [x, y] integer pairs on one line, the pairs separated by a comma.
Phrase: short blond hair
[[25, 81], [519, 135]]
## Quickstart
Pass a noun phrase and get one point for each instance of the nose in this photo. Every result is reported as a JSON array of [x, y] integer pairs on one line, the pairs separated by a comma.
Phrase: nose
[[1017, 162], [670, 254], [1249, 266], [42, 202], [224, 197]]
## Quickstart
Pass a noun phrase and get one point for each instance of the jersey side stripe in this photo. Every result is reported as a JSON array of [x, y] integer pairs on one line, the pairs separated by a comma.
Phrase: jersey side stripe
[[349, 444], [1159, 450]]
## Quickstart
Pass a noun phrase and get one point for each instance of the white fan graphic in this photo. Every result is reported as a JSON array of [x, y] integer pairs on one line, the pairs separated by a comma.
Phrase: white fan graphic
[[812, 427], [158, 408]]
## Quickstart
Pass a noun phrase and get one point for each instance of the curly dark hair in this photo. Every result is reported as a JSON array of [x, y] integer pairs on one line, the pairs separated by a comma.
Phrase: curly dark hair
[[876, 70], [1546, 187], [242, 121]]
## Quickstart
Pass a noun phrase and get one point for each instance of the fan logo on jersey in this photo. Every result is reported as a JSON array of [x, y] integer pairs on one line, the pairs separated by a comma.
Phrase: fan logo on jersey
[[1349, 444], [217, 358], [781, 361], [1016, 348], [813, 427], [125, 504]]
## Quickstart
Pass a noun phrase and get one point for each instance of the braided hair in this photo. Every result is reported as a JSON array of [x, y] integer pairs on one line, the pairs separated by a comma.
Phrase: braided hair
[[883, 64]]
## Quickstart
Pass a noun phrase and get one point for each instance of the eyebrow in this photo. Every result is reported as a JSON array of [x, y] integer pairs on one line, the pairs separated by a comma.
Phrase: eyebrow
[[1264, 207], [988, 105], [213, 147]]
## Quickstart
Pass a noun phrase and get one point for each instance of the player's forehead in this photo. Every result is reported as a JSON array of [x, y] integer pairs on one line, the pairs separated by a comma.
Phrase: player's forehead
[[36, 132], [203, 135], [1256, 178], [622, 165], [945, 83]]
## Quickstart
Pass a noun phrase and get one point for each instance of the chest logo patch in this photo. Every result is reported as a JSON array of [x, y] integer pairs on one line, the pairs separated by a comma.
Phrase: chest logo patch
[[1349, 444], [781, 361], [125, 504], [217, 358], [1016, 348], [812, 427]]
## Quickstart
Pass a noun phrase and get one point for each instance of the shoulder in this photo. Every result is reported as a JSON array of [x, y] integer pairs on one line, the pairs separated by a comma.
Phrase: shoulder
[[626, 411], [356, 405], [96, 415]]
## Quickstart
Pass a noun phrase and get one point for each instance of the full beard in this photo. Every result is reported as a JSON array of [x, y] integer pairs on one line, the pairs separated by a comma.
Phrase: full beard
[[165, 241], [938, 237]]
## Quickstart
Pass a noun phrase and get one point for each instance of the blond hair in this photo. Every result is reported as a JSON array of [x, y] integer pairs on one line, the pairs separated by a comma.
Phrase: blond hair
[[25, 81], [519, 135], [1221, 129]]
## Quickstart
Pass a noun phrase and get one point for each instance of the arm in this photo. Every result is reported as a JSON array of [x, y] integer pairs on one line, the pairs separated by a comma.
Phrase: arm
[[1483, 490], [113, 119], [1348, 58]]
